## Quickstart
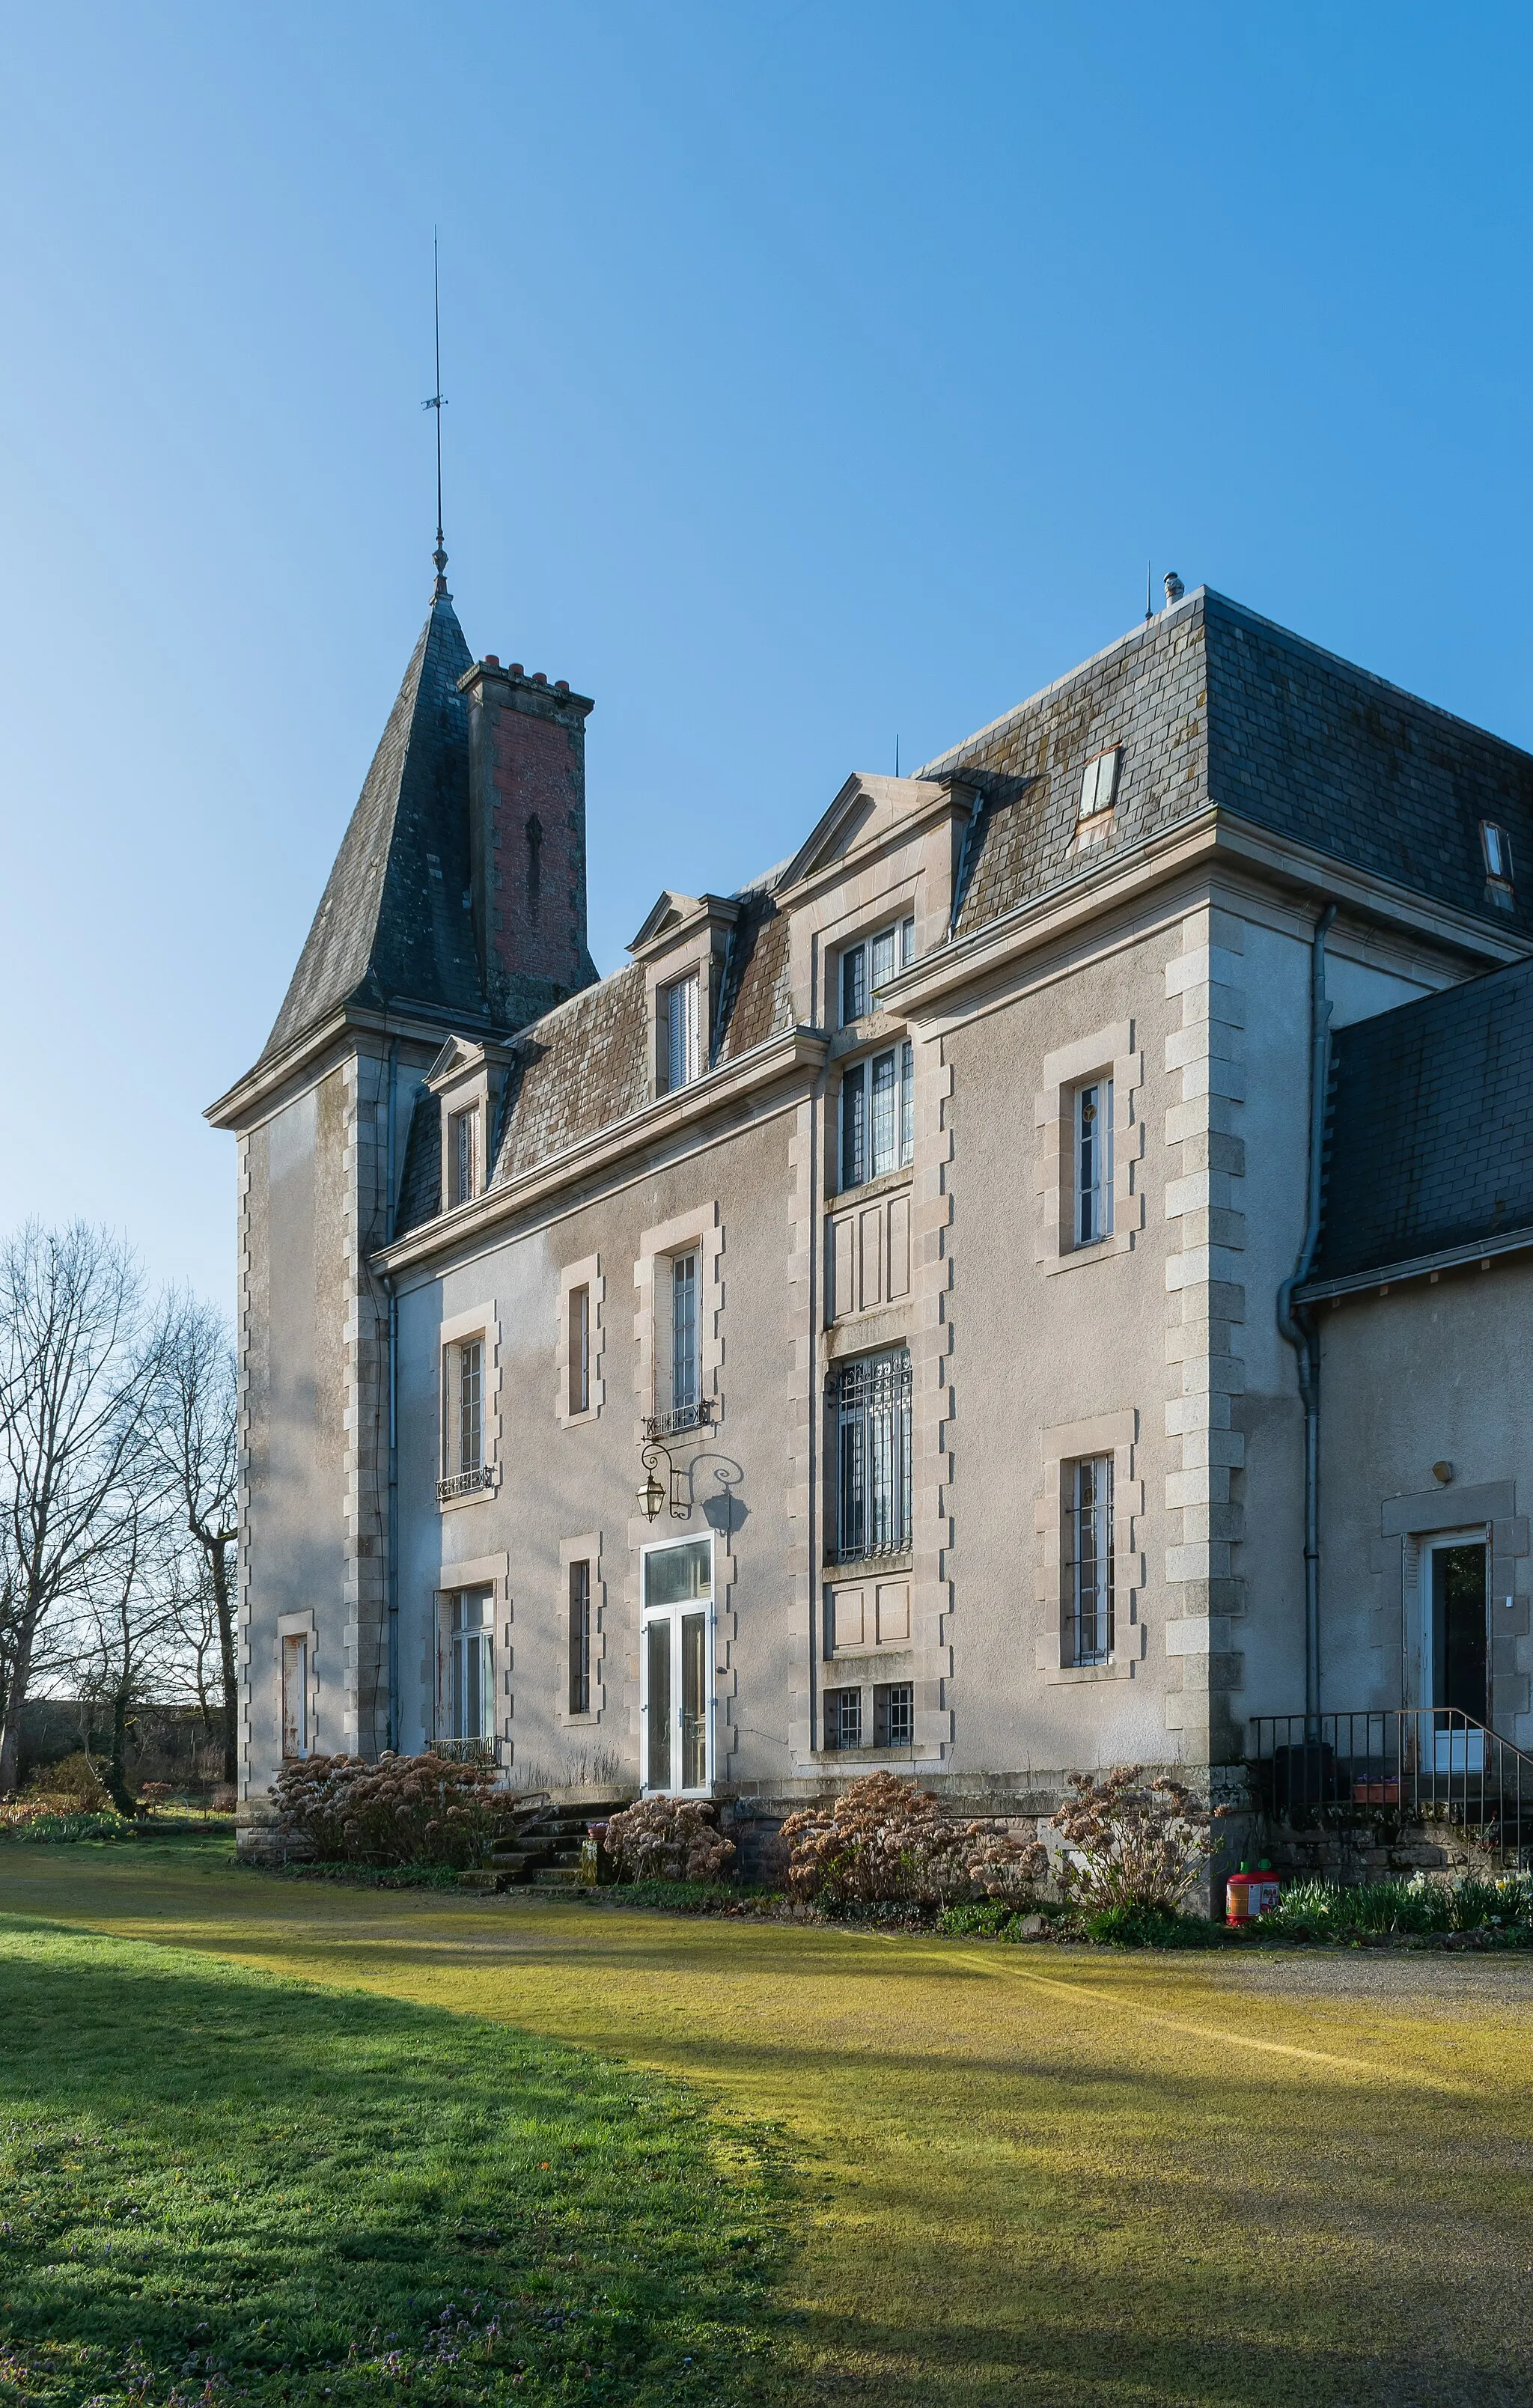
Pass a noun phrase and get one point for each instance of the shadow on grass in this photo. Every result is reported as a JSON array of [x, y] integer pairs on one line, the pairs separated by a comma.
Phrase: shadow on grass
[[209, 2174]]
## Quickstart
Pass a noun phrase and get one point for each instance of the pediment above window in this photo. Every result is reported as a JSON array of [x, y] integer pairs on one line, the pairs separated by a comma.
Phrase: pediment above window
[[674, 919], [866, 812]]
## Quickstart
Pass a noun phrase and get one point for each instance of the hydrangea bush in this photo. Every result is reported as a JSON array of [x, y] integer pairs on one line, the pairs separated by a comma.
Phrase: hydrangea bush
[[884, 1841], [404, 1809], [667, 1839], [1131, 1843]]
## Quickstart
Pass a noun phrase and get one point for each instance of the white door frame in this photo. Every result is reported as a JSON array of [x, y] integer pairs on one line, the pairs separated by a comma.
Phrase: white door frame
[[1451, 1752], [674, 1614]]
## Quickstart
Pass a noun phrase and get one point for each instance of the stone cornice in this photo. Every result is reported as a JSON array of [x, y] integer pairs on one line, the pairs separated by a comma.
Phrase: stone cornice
[[1212, 837], [278, 1077]]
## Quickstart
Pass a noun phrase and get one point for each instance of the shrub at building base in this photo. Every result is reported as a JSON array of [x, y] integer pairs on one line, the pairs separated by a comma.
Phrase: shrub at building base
[[667, 1839], [883, 1842], [404, 1809], [1130, 1842]]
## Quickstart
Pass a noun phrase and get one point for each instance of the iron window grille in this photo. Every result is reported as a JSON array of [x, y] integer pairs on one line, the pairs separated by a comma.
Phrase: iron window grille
[[894, 1714], [843, 1718], [873, 1443], [1087, 1603], [1093, 1161], [580, 1638], [877, 1115]]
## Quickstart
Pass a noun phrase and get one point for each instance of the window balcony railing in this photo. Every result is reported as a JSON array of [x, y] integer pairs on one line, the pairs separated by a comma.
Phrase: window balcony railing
[[680, 1419], [470, 1751], [464, 1484]]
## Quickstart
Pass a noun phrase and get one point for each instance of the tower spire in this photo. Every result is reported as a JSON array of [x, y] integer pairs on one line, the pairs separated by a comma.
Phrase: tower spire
[[438, 402]]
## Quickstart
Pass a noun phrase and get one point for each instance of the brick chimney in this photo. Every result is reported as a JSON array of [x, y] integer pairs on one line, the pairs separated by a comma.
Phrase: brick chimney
[[527, 784]]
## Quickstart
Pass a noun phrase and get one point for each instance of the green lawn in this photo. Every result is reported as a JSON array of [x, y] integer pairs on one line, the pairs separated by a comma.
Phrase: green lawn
[[1041, 2176]]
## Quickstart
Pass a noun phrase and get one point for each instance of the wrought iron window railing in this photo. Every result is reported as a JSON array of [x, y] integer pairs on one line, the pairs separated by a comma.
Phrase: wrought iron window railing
[[463, 1484], [1424, 1762], [873, 1450], [680, 1419], [485, 1750]]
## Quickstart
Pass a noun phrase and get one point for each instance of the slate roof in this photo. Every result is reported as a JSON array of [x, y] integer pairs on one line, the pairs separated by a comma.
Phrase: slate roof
[[1429, 1125], [1211, 703], [585, 1065], [393, 922]]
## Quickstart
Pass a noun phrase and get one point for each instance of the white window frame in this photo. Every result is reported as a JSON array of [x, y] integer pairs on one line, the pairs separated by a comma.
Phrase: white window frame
[[1091, 1160], [673, 1614], [462, 1482], [879, 956], [860, 1154], [680, 1004], [462, 1645]]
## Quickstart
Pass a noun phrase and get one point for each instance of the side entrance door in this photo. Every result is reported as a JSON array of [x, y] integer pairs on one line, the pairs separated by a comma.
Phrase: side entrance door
[[1457, 1650], [676, 1661]]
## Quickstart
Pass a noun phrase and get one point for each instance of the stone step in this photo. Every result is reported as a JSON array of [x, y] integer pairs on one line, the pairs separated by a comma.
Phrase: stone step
[[556, 1876]]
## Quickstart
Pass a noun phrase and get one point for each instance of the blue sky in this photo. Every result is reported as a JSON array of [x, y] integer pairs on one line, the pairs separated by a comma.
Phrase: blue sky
[[816, 372]]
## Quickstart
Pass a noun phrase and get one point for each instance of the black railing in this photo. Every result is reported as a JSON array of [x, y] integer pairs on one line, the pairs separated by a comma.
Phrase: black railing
[[466, 1484], [1425, 1763], [681, 1419]]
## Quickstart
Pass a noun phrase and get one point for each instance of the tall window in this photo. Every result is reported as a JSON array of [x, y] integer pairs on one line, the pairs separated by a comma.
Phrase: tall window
[[463, 1156], [295, 1696], [873, 1435], [471, 1684], [580, 1638], [463, 1416], [685, 1368], [872, 964], [1093, 1161], [877, 1115], [681, 1035], [580, 1350], [1086, 1619]]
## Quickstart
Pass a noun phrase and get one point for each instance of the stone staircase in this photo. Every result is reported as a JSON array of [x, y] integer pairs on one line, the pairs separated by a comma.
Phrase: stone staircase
[[543, 1852]]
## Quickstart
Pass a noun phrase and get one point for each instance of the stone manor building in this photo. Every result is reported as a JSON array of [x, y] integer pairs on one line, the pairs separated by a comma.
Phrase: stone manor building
[[1037, 1279]]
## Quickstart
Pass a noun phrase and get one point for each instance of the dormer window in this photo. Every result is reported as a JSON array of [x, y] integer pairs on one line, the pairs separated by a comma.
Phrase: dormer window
[[462, 1180], [681, 1047], [1099, 783], [872, 964], [1497, 847]]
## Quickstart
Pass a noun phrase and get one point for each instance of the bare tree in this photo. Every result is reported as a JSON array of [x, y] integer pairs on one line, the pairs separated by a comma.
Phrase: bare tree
[[194, 1426], [132, 1627], [75, 1375]]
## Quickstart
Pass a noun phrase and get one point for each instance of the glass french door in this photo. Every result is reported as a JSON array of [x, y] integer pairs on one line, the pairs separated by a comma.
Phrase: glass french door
[[676, 1683], [1457, 1648]]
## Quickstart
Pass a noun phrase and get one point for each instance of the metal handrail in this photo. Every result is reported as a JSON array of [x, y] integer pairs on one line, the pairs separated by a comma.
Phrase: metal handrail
[[1419, 1760], [469, 1751]]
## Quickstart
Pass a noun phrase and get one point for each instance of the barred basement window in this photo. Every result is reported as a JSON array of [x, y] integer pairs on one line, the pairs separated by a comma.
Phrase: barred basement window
[[877, 1115], [894, 1714], [1085, 1634], [843, 1718], [580, 1638], [873, 1445]]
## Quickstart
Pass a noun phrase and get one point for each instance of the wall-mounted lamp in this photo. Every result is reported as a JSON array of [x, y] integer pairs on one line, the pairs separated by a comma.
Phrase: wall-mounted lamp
[[655, 1492]]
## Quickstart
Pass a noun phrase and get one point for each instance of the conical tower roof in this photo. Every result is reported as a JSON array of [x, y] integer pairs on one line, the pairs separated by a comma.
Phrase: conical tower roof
[[395, 923]]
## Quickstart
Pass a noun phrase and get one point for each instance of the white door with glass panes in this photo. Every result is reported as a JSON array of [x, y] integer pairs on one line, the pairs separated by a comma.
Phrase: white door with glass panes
[[676, 1666], [468, 1683]]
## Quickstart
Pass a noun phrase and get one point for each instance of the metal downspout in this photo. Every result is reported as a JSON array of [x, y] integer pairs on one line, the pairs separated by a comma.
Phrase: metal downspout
[[1295, 1326], [393, 1581]]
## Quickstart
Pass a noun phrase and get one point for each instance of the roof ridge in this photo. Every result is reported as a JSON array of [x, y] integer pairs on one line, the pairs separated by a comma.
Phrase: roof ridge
[[1143, 633]]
